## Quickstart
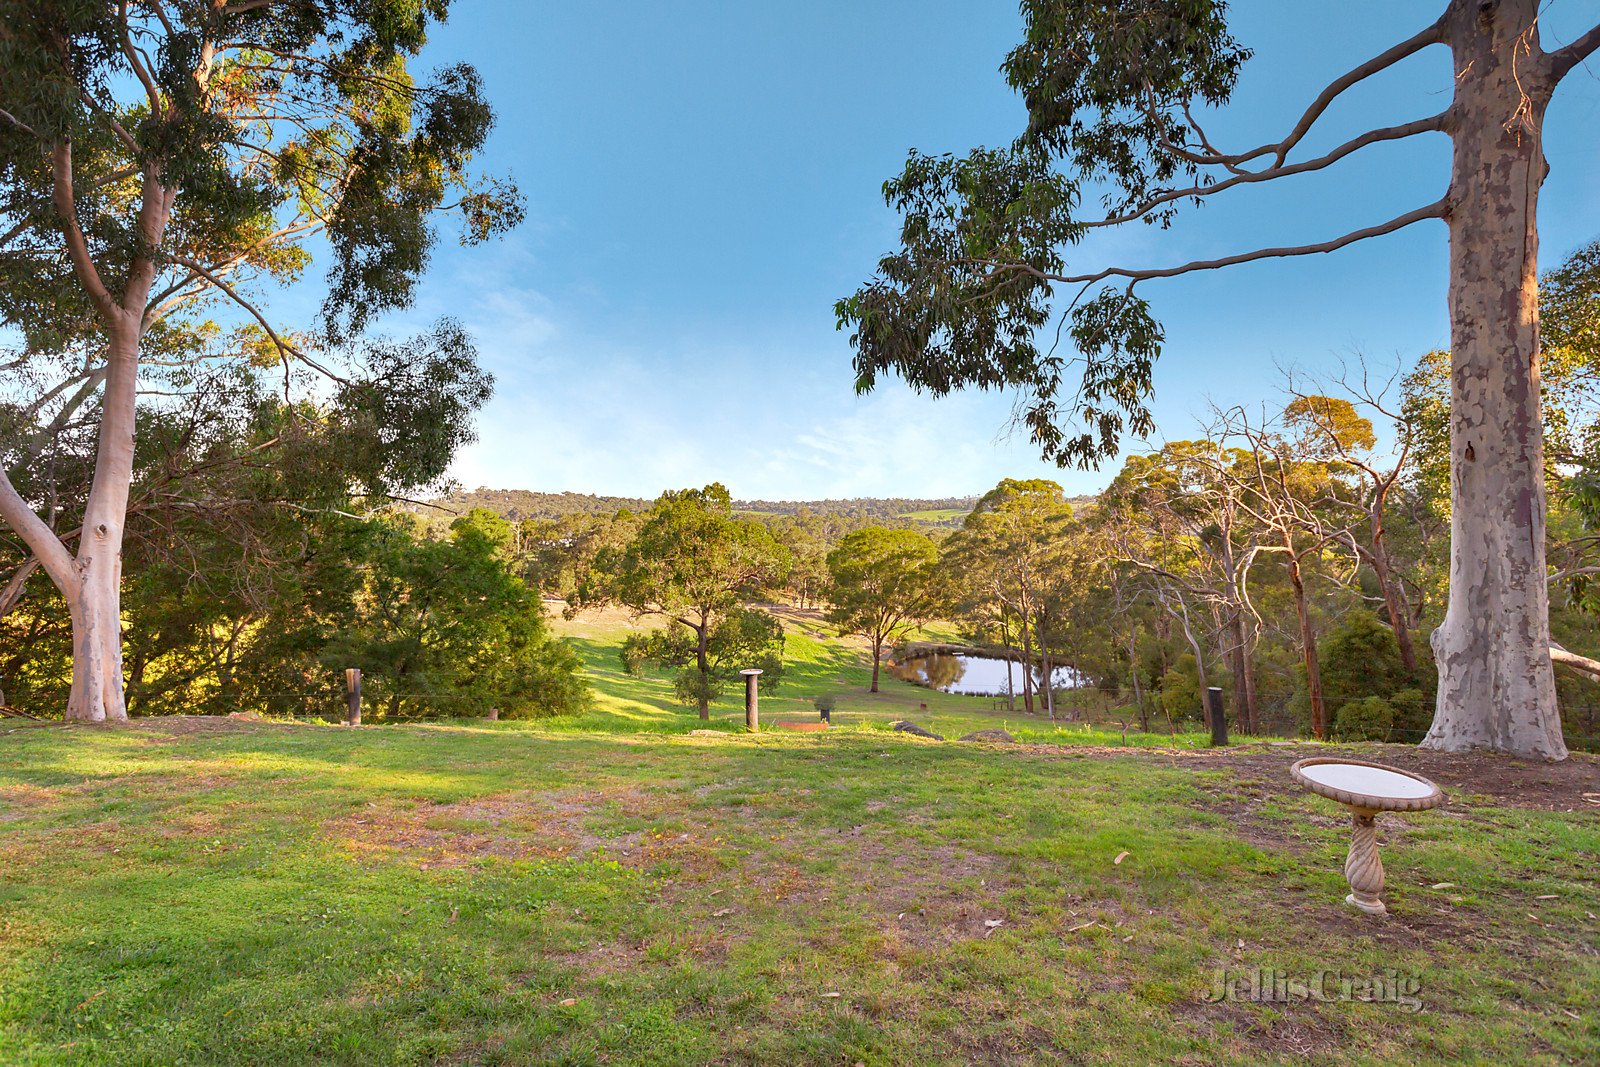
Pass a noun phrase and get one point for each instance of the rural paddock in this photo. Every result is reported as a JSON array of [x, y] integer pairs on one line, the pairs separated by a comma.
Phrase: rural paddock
[[487, 893]]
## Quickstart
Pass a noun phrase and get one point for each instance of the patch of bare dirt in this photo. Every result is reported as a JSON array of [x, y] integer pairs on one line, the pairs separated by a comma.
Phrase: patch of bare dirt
[[1510, 781], [1571, 785], [22, 800], [1291, 1030], [509, 825]]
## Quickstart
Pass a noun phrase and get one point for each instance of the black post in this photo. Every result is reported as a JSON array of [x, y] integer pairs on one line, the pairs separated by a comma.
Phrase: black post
[[352, 684], [1219, 720], [752, 710]]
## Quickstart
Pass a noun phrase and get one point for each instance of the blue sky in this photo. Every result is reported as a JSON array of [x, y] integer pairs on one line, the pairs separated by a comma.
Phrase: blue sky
[[703, 181]]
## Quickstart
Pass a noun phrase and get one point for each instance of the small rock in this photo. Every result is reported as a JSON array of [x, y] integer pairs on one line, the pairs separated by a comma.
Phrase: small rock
[[998, 736], [906, 726]]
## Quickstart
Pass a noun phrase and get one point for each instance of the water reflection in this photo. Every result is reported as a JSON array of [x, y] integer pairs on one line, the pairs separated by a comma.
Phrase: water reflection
[[981, 675]]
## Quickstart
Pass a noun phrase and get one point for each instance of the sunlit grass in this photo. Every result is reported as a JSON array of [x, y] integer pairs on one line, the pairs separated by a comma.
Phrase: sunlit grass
[[818, 662], [482, 892]]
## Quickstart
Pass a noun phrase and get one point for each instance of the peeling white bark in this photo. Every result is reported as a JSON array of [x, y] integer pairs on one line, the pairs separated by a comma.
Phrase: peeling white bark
[[1496, 685]]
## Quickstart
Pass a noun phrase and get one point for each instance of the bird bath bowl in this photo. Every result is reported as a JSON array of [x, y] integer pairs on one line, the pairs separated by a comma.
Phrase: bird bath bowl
[[1366, 789]]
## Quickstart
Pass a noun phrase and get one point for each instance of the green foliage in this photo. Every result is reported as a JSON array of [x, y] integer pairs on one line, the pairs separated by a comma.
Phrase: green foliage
[[690, 556], [694, 564], [272, 124], [985, 238], [1359, 658], [1413, 714], [439, 628], [744, 638], [883, 583], [1331, 421], [1180, 691], [234, 516], [1367, 719]]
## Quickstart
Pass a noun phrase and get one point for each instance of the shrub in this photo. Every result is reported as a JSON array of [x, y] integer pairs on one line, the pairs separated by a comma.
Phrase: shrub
[[634, 654], [1369, 719], [1413, 714], [826, 702], [1359, 658], [1180, 691]]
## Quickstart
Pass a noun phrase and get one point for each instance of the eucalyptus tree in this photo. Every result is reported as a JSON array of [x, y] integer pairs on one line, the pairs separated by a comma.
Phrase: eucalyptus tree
[[1116, 93], [230, 490], [1285, 488], [882, 584], [1178, 517], [1005, 548], [1344, 437], [158, 157], [696, 565]]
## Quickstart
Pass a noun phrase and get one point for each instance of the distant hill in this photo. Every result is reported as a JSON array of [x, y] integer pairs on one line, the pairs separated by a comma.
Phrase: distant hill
[[518, 504], [526, 504]]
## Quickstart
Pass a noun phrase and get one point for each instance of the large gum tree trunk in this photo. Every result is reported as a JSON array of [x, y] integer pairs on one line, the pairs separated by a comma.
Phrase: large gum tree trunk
[[96, 601], [1496, 684]]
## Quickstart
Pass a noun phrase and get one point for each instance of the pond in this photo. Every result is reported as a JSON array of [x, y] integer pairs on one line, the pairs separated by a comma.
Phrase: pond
[[978, 675]]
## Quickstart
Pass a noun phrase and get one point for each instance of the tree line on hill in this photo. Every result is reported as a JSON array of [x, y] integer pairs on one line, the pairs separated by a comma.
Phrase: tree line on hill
[[519, 504]]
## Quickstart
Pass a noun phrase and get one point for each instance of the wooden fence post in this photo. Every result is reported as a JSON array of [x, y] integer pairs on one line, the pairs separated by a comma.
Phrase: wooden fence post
[[352, 684], [1219, 720], [752, 706]]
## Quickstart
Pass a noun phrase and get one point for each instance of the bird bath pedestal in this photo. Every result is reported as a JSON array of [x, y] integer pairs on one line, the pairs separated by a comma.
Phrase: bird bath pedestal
[[1366, 789]]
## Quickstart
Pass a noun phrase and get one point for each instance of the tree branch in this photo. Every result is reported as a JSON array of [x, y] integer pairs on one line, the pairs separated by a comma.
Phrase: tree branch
[[1564, 59], [18, 123], [283, 346], [1581, 664], [139, 69], [1432, 124], [1434, 210], [11, 594], [77, 246], [57, 561], [1434, 34]]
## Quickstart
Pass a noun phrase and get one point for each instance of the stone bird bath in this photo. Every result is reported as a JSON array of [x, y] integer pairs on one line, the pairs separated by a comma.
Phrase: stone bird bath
[[1366, 789]]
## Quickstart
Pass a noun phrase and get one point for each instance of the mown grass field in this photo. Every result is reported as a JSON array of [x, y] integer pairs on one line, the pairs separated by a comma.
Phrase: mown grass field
[[817, 662], [618, 890]]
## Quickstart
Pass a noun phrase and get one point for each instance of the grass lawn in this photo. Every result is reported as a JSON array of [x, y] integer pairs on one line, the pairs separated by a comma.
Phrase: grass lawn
[[200, 891], [938, 515], [818, 661], [617, 890]]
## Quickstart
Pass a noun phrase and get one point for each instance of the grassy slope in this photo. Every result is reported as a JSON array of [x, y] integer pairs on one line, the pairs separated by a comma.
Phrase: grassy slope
[[612, 890], [817, 661], [497, 893]]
